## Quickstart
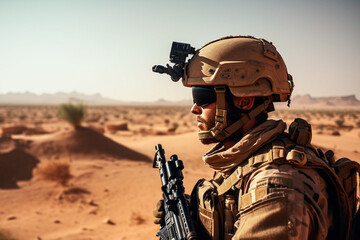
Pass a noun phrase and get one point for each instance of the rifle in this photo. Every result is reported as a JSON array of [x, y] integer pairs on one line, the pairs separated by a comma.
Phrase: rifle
[[178, 224]]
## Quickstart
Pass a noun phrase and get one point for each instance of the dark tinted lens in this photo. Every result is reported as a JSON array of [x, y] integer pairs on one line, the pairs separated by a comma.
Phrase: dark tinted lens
[[203, 95]]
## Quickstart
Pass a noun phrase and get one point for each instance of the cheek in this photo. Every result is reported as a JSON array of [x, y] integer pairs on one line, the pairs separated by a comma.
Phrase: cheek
[[209, 114]]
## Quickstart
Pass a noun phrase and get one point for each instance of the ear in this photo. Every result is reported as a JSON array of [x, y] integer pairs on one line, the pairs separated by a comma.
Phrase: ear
[[244, 103]]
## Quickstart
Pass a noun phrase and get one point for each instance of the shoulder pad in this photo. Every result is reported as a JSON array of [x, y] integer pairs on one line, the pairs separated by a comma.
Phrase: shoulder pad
[[300, 132]]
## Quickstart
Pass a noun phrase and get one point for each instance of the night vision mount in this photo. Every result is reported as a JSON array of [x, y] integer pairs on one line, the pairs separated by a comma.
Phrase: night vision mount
[[178, 55]]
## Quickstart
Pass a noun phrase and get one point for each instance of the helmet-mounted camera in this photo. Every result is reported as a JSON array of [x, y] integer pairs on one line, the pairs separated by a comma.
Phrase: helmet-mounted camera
[[178, 55]]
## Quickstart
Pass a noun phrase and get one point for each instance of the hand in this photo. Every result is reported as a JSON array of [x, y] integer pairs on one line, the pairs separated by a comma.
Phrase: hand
[[159, 212]]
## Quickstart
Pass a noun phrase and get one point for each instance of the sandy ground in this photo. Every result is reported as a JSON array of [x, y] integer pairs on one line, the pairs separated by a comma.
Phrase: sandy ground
[[113, 188]]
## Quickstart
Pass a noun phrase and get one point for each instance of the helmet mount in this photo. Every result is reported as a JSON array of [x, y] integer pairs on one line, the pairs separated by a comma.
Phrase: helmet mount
[[246, 65], [178, 54]]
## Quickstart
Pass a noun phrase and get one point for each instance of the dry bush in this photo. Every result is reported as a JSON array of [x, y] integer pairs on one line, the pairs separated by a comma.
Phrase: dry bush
[[73, 194], [22, 116], [335, 133], [321, 127], [72, 113], [173, 128], [47, 116], [136, 219], [339, 122], [54, 171], [5, 236]]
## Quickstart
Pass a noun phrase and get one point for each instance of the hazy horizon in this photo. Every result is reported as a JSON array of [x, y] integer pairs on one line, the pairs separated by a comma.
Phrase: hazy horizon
[[109, 47], [99, 95]]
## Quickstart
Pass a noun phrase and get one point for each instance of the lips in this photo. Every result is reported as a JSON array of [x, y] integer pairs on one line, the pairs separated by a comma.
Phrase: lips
[[200, 124]]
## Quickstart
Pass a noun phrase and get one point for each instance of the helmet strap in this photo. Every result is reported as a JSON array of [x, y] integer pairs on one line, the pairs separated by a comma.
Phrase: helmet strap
[[230, 130], [221, 131], [221, 112], [220, 116]]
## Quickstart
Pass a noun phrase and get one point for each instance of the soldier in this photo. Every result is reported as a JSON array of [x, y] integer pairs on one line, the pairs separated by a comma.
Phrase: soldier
[[268, 183]]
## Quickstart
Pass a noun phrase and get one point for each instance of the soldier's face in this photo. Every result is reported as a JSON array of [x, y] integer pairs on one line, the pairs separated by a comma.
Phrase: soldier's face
[[205, 116]]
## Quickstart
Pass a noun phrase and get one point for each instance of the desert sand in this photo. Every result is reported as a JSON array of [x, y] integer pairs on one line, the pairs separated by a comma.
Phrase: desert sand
[[113, 188]]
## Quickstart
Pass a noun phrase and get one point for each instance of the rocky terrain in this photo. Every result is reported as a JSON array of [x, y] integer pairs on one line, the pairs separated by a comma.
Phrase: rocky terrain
[[97, 181]]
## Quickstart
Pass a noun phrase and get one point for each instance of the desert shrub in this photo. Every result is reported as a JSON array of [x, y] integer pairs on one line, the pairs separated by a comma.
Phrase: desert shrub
[[22, 117], [72, 113], [182, 115], [48, 116], [339, 122], [2, 119], [173, 127], [329, 114], [354, 116], [9, 113], [136, 219], [321, 127], [335, 133], [5, 236], [54, 171]]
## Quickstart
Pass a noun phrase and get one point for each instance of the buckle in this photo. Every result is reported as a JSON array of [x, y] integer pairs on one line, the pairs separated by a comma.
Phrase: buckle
[[297, 156], [220, 89], [239, 172]]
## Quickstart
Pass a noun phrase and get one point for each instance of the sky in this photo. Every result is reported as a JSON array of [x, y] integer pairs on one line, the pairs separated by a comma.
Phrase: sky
[[109, 47]]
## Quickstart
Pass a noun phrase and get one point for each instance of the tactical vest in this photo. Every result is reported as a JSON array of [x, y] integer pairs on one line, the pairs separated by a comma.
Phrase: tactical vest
[[215, 203]]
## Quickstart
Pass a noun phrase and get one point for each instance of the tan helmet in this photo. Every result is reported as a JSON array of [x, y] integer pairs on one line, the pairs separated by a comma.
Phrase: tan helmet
[[248, 66]]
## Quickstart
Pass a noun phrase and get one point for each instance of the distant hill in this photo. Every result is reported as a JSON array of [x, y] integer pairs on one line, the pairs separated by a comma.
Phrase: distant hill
[[28, 98], [339, 101]]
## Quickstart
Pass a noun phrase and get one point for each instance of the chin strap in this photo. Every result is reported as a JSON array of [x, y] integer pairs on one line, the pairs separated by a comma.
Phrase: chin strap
[[220, 116], [221, 131]]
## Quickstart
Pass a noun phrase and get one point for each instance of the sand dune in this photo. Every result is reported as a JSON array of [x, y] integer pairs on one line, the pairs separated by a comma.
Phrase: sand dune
[[113, 188], [84, 141], [16, 165]]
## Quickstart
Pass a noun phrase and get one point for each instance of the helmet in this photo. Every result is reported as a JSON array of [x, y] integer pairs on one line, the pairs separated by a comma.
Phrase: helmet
[[247, 65]]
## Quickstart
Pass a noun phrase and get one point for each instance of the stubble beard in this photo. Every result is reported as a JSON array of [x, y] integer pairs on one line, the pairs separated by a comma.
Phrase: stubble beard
[[207, 126]]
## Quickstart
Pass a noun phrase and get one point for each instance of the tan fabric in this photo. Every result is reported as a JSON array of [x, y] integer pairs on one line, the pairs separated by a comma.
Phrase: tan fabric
[[275, 201], [295, 202], [225, 161]]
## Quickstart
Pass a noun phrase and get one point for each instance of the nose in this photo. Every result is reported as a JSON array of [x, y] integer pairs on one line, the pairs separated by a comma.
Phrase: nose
[[195, 109]]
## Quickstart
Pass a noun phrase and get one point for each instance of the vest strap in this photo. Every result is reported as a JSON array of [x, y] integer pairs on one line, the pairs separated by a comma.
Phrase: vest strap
[[275, 153]]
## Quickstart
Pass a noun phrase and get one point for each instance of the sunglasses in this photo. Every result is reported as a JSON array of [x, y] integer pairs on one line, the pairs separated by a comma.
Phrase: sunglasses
[[203, 95]]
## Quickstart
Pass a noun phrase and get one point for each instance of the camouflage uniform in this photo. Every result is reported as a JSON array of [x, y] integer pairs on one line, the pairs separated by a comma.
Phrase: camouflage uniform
[[270, 184], [278, 199]]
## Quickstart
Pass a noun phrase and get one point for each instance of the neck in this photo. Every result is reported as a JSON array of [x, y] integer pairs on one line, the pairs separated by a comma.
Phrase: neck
[[228, 143]]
